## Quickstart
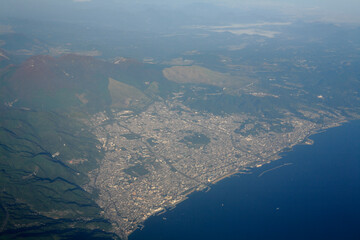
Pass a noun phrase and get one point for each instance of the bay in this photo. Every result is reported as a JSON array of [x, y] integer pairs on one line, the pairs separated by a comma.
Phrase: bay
[[313, 192]]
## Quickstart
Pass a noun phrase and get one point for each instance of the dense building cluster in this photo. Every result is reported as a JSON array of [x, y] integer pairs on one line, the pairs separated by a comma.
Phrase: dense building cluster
[[148, 167]]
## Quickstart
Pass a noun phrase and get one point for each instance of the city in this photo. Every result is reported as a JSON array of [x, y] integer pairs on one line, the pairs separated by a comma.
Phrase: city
[[154, 159]]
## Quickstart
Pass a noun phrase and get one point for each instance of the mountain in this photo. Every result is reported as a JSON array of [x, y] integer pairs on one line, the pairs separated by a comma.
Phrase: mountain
[[52, 83], [72, 82], [46, 150]]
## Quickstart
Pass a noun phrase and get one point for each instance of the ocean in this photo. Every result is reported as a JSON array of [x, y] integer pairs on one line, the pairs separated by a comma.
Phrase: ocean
[[312, 192]]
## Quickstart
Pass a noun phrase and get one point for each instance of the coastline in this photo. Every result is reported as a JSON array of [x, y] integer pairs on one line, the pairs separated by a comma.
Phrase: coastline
[[271, 159], [273, 183], [223, 177]]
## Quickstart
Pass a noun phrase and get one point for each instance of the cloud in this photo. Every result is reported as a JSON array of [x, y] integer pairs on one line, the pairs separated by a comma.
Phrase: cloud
[[82, 0], [248, 29]]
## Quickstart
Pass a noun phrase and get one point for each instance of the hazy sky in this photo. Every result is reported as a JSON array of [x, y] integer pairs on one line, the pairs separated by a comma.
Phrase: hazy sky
[[334, 10], [329, 10]]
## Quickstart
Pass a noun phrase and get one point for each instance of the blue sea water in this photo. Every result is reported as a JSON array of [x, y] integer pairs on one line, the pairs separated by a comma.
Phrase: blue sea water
[[317, 196]]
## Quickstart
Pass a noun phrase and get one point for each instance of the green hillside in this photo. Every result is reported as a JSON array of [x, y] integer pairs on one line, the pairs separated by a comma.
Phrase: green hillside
[[126, 96], [44, 159]]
